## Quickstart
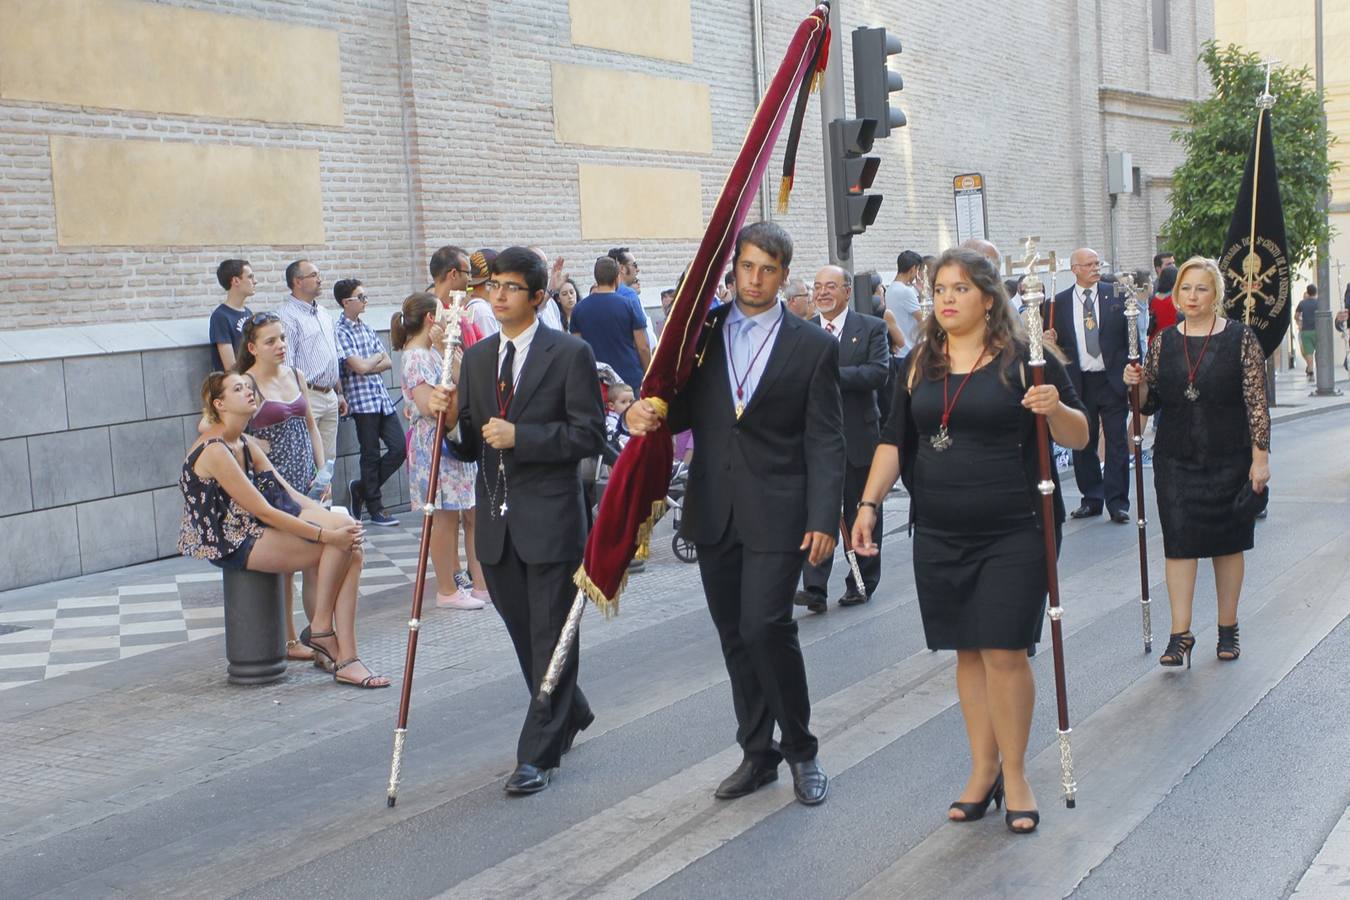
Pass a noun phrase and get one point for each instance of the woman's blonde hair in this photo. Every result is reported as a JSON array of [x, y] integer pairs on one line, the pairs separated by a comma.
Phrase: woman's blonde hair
[[1210, 266]]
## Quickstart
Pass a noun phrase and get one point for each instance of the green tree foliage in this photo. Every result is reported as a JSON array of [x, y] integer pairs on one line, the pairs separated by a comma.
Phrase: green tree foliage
[[1217, 138]]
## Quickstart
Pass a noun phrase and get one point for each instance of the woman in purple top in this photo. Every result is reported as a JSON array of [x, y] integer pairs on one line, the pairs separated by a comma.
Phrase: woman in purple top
[[286, 430]]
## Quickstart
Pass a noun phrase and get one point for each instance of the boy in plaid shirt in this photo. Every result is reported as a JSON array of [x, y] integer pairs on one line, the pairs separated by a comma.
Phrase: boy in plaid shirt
[[361, 359]]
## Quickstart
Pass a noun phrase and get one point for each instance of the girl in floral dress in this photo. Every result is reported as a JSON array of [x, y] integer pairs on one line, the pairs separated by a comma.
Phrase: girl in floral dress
[[410, 332]]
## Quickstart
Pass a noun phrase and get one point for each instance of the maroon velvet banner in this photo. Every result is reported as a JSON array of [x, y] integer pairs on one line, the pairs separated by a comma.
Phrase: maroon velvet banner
[[635, 497]]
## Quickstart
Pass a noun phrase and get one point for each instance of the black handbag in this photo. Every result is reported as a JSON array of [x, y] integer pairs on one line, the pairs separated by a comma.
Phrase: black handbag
[[275, 493], [1249, 504]]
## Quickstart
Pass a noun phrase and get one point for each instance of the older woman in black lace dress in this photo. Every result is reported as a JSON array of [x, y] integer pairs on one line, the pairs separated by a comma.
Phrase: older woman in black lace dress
[[1209, 375]]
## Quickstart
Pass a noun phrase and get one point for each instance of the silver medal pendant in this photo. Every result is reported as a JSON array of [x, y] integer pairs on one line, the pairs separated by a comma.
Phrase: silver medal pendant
[[942, 440], [1192, 393]]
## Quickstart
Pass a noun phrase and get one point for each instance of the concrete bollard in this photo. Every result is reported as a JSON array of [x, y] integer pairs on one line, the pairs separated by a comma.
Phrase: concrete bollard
[[255, 627]]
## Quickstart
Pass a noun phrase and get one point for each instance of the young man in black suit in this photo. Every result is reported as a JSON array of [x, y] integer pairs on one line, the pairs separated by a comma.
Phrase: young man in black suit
[[864, 366], [1088, 325], [763, 495], [528, 405]]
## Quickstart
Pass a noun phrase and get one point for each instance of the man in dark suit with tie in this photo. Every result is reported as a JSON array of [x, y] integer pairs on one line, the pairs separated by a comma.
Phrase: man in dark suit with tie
[[864, 366], [1088, 325], [763, 495], [529, 409]]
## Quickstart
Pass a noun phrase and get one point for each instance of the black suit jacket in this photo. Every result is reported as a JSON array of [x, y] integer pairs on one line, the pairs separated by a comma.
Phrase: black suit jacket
[[864, 366], [1113, 335], [559, 419], [779, 469]]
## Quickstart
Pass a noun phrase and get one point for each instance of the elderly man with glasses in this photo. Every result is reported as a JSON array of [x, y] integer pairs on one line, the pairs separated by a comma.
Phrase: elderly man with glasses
[[311, 347]]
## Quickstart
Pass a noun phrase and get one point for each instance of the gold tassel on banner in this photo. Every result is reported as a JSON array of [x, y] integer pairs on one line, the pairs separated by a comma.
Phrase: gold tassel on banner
[[784, 189]]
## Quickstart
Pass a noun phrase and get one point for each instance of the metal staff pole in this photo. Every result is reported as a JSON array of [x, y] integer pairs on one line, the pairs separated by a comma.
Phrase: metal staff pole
[[1034, 295], [1133, 292], [849, 554], [453, 318]]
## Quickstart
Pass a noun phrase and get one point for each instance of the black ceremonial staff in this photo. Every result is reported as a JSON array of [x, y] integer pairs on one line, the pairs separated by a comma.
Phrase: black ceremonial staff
[[1133, 293]]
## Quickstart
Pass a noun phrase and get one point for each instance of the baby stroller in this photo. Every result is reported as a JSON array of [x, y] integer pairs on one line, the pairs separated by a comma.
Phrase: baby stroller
[[683, 549]]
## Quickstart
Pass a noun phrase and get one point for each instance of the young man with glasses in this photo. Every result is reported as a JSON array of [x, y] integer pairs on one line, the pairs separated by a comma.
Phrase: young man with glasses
[[311, 347], [528, 406], [362, 358], [227, 321]]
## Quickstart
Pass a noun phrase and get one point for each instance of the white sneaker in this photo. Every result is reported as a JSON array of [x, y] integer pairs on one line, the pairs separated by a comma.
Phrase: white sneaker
[[463, 581], [481, 595], [460, 599]]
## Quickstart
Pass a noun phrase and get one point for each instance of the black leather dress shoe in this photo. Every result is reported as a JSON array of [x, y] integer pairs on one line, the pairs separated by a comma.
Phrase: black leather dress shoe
[[527, 779], [813, 602], [853, 597], [748, 778], [1085, 512], [573, 728], [1120, 517], [809, 782]]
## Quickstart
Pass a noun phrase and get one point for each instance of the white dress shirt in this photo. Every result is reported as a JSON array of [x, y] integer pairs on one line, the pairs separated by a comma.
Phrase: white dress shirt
[[1087, 363], [522, 342], [836, 324]]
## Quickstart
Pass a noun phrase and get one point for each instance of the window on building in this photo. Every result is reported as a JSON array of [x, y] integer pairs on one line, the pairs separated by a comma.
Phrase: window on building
[[1138, 179], [1162, 34]]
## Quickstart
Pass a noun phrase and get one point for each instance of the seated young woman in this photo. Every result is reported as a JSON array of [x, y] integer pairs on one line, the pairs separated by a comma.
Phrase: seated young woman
[[241, 514]]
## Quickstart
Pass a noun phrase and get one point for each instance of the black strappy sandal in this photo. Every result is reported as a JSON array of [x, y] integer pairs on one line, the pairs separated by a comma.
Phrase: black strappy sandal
[[1228, 643], [364, 682], [1179, 648], [322, 658]]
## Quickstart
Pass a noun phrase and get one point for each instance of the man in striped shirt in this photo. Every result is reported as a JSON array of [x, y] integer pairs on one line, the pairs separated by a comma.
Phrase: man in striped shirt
[[311, 346]]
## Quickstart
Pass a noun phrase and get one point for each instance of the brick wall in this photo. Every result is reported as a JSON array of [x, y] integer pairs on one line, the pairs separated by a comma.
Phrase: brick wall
[[448, 136]]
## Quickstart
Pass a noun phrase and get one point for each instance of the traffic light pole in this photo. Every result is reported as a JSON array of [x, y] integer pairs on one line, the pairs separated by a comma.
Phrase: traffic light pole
[[831, 108]]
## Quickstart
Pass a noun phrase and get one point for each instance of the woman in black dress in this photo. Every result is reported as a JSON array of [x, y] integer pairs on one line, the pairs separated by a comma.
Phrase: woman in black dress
[[1209, 374], [962, 435]]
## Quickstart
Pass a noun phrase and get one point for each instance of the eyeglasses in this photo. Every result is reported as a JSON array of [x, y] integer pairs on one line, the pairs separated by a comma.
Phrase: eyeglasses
[[309, 276], [509, 286], [826, 286], [361, 297]]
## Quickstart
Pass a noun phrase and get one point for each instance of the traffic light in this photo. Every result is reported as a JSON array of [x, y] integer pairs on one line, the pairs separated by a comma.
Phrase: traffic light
[[873, 83], [852, 174]]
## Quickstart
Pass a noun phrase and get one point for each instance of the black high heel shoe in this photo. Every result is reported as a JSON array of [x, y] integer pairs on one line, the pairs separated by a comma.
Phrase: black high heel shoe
[[976, 810], [1013, 815], [1179, 648], [1228, 643]]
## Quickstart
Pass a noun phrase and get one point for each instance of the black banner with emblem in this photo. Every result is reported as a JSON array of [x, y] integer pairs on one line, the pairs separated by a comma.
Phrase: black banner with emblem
[[1255, 261]]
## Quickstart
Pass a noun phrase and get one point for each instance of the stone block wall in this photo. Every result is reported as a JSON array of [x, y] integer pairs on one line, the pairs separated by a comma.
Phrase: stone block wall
[[91, 449]]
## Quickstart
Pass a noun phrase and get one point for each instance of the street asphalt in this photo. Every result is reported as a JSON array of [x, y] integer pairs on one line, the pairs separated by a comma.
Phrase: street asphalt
[[151, 777]]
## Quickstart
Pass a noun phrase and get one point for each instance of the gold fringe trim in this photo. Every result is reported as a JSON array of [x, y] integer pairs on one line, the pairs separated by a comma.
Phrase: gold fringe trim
[[609, 606], [662, 407], [784, 189], [817, 79]]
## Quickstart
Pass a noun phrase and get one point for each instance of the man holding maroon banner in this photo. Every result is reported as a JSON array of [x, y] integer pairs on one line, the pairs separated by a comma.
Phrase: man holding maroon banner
[[764, 495]]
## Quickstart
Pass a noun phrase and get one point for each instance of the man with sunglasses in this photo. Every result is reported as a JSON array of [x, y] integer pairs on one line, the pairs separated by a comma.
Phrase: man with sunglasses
[[362, 358], [528, 406], [311, 347]]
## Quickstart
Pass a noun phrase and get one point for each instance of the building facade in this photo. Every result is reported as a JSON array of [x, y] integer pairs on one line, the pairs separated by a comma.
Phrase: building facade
[[143, 142]]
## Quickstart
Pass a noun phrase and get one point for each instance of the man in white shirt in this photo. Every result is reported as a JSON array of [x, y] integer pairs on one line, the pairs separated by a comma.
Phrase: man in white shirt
[[903, 300], [1088, 325]]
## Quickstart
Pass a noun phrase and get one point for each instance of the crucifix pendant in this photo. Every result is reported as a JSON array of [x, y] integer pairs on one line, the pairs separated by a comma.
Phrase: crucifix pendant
[[942, 440], [740, 408], [503, 507], [1192, 393]]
